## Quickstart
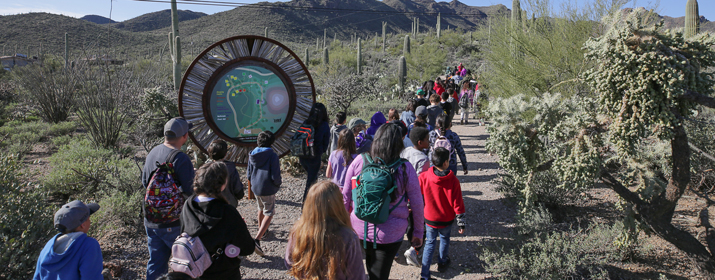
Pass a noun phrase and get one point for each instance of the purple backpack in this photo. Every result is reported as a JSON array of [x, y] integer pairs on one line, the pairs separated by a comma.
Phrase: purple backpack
[[189, 256]]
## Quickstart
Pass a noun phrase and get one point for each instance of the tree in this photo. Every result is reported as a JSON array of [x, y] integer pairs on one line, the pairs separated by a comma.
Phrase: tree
[[341, 87]]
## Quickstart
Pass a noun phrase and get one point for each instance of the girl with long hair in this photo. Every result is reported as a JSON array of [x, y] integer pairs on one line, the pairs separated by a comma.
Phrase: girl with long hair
[[443, 128], [341, 158], [380, 248], [218, 224], [318, 118], [322, 244]]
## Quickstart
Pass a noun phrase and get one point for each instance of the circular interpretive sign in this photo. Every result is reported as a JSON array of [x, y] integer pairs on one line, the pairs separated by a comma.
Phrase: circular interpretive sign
[[242, 86]]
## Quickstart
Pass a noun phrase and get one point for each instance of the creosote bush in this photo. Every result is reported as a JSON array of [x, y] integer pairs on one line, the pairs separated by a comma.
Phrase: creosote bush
[[81, 169], [25, 220]]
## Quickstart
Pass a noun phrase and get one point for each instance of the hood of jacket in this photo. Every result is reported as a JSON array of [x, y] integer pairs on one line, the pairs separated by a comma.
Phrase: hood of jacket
[[199, 217], [64, 250], [260, 156], [377, 120]]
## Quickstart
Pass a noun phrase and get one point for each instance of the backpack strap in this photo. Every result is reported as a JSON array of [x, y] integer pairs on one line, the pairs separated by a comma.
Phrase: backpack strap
[[170, 157]]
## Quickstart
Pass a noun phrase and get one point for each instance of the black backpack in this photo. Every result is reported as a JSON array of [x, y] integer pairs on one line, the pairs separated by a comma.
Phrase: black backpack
[[301, 144]]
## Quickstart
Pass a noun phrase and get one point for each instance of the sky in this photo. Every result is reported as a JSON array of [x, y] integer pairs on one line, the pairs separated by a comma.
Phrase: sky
[[126, 9]]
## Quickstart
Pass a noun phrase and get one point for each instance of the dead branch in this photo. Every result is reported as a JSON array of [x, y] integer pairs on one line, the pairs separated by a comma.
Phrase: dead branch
[[706, 101], [701, 152], [93, 178]]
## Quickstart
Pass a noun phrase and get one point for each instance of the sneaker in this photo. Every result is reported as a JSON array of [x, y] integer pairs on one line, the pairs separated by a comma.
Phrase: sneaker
[[259, 250], [411, 257], [442, 267]]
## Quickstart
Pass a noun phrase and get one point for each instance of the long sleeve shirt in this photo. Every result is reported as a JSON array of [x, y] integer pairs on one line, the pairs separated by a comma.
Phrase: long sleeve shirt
[[394, 228], [456, 145]]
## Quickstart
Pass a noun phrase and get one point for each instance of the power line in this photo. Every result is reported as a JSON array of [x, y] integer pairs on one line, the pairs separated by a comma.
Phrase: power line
[[272, 6]]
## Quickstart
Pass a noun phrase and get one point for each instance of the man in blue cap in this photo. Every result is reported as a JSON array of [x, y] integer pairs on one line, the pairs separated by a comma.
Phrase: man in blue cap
[[162, 235], [71, 254]]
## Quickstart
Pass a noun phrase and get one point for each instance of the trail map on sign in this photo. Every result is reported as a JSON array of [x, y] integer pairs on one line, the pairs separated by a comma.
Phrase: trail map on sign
[[247, 100]]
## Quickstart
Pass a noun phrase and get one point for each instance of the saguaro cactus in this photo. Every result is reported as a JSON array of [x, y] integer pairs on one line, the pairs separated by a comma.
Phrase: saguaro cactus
[[439, 25], [406, 47], [326, 58], [175, 43], [325, 37], [384, 38], [515, 13], [418, 26], [66, 50], [265, 32], [692, 18], [359, 56], [402, 72], [307, 57]]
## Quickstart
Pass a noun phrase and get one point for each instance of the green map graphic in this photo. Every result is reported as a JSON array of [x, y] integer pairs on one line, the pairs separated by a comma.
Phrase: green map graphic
[[247, 100]]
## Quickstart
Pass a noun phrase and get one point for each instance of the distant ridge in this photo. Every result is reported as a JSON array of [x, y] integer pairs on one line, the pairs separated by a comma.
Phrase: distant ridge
[[97, 19], [156, 20]]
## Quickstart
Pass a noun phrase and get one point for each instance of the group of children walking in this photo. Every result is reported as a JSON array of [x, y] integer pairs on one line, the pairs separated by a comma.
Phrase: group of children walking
[[329, 239]]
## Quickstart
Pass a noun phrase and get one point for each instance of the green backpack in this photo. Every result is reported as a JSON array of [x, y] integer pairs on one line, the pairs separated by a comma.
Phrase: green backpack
[[371, 192]]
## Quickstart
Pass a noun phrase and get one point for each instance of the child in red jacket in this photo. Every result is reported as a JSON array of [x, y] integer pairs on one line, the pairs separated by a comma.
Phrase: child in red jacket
[[443, 204]]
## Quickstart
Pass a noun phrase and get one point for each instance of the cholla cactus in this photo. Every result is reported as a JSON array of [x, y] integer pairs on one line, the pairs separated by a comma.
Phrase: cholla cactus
[[640, 77]]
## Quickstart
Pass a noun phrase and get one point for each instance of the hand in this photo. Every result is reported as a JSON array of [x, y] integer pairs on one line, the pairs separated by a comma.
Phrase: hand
[[416, 242], [466, 171], [461, 231]]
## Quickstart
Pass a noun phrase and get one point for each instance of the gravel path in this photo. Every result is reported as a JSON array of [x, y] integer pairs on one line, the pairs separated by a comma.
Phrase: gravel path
[[488, 215], [489, 218]]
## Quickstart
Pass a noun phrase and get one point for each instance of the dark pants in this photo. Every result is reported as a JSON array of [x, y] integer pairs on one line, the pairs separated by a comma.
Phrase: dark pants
[[379, 261], [411, 231], [312, 167]]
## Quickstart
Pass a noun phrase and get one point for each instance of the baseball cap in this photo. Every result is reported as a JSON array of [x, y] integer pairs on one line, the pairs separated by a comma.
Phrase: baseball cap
[[176, 127], [73, 214], [355, 122], [420, 92], [421, 110]]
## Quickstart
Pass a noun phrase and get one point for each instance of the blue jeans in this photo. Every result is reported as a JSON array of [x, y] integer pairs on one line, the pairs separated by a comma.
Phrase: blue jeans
[[428, 251], [160, 241], [312, 167]]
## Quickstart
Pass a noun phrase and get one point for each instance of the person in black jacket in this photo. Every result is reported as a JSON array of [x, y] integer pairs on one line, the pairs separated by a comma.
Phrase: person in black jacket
[[234, 191], [318, 118], [207, 215]]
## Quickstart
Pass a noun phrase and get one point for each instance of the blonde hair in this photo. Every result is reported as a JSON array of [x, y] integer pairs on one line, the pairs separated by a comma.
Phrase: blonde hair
[[318, 246]]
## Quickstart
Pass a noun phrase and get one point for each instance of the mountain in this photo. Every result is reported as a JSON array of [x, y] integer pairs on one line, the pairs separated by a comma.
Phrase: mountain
[[97, 19], [679, 22], [304, 20], [156, 20], [27, 32]]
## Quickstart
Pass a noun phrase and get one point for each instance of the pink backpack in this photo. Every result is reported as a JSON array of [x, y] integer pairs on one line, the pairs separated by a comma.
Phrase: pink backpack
[[444, 143], [189, 256]]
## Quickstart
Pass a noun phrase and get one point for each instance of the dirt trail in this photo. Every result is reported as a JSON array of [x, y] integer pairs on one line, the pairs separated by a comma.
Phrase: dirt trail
[[489, 218]]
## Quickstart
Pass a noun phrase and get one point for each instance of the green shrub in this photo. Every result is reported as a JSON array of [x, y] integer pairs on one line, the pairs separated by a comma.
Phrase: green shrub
[[25, 221], [61, 140], [62, 128], [21, 136], [84, 170], [576, 254], [117, 210]]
